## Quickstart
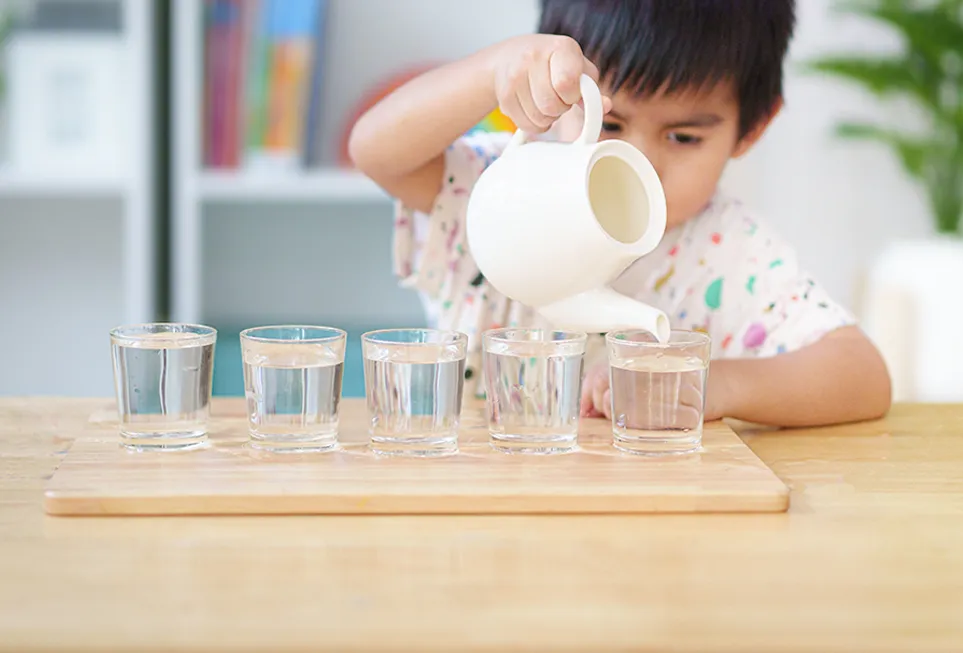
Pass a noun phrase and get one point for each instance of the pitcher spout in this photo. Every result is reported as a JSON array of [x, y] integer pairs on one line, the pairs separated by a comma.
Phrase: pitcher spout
[[603, 309]]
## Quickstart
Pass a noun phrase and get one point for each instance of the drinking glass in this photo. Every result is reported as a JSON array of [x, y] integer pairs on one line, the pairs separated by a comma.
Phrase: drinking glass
[[658, 391], [162, 380], [532, 387], [414, 380], [292, 383]]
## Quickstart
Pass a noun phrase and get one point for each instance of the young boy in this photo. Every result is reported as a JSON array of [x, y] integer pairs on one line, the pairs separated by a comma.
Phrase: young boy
[[691, 84]]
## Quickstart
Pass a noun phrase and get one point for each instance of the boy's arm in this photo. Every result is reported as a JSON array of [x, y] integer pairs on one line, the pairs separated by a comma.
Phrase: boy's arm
[[840, 378], [400, 142]]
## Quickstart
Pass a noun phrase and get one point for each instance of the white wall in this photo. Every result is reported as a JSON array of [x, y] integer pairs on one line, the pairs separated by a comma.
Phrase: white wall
[[61, 276], [838, 202], [404, 35]]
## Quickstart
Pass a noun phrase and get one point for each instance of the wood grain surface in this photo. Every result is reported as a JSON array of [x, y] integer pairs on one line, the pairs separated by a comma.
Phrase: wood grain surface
[[869, 557], [99, 477]]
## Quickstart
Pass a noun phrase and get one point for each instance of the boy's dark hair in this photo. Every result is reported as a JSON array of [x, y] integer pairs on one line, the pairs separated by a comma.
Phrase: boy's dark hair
[[644, 46]]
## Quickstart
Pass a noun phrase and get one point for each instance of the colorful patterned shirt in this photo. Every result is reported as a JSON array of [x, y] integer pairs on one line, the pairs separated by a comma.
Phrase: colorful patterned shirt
[[724, 272]]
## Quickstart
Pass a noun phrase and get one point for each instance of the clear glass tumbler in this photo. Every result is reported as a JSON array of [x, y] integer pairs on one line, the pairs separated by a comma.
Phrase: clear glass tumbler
[[658, 391], [162, 379], [292, 382], [533, 381], [414, 380]]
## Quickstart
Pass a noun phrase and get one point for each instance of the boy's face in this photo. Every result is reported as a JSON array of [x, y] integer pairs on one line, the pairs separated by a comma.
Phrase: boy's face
[[689, 136]]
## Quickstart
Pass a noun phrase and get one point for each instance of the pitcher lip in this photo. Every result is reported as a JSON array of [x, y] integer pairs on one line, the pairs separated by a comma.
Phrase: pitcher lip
[[628, 153]]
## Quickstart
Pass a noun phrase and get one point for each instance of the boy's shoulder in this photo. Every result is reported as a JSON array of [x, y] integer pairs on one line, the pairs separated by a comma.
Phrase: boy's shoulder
[[727, 224]]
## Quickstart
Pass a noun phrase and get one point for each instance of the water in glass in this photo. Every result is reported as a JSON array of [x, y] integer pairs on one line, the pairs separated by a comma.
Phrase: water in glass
[[293, 389], [163, 386], [414, 396], [532, 390], [657, 404]]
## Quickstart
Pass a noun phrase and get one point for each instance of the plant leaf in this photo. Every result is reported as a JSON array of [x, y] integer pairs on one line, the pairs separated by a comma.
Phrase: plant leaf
[[882, 76], [932, 30], [913, 153]]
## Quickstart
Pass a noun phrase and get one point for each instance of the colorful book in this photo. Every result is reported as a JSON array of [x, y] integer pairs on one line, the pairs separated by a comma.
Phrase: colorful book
[[311, 155], [257, 60], [222, 25], [233, 49], [262, 82], [290, 26]]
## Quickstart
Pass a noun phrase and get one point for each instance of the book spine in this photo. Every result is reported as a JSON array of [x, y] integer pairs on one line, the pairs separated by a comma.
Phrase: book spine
[[290, 29], [258, 74], [207, 111], [220, 56], [248, 21], [232, 74], [313, 112]]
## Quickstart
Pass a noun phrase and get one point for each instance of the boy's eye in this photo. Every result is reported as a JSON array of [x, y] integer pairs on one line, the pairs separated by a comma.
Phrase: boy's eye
[[684, 139], [611, 127]]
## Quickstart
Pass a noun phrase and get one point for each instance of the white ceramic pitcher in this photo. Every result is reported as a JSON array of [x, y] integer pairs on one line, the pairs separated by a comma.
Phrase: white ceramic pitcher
[[550, 225]]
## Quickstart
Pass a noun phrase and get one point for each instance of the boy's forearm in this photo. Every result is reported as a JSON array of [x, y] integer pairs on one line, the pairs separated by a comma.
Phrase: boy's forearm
[[841, 378], [416, 123]]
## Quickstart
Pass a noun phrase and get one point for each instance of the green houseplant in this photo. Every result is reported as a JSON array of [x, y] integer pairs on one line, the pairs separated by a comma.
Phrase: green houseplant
[[928, 72]]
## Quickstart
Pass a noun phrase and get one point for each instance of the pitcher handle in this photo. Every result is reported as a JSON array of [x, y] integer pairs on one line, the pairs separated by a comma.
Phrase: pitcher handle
[[591, 128]]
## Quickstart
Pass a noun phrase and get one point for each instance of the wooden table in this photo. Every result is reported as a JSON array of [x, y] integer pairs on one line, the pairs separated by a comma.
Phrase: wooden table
[[869, 557]]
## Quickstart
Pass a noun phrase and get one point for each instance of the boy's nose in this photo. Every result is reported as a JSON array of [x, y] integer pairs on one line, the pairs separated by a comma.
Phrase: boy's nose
[[652, 154]]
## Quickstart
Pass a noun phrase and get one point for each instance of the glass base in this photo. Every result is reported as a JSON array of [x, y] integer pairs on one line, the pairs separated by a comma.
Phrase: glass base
[[541, 445], [164, 441], [417, 447], [659, 443], [294, 442]]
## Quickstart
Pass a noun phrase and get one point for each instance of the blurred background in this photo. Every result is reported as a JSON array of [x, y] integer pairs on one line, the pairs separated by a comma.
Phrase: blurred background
[[185, 161]]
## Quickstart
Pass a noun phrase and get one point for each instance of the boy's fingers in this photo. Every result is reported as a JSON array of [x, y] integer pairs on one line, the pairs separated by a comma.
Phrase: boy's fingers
[[535, 117], [585, 406], [607, 404], [590, 69], [690, 396], [565, 69], [598, 392], [588, 383], [546, 100], [511, 108]]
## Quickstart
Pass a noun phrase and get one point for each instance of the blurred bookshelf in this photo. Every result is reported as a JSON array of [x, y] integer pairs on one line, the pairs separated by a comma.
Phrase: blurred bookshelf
[[78, 195], [14, 184], [321, 185], [270, 224]]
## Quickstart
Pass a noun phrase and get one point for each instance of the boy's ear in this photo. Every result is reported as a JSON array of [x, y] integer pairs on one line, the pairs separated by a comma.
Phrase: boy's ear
[[746, 142]]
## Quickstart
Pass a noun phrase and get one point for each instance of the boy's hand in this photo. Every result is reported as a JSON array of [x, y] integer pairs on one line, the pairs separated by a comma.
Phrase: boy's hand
[[537, 79], [674, 406], [596, 396]]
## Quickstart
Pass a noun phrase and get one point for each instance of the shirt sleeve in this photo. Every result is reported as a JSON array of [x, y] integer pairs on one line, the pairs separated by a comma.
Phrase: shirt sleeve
[[769, 303], [430, 249]]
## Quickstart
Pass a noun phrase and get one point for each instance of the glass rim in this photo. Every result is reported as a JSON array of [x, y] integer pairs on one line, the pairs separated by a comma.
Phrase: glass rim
[[693, 338], [457, 337], [193, 332], [571, 337], [336, 334]]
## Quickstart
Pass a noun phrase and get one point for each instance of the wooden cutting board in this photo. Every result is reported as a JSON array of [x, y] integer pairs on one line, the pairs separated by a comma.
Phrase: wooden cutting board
[[98, 477]]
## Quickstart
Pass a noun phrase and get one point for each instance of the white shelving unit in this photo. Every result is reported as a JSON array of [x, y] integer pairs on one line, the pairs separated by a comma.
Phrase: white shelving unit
[[331, 185], [252, 248], [16, 184], [77, 250]]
